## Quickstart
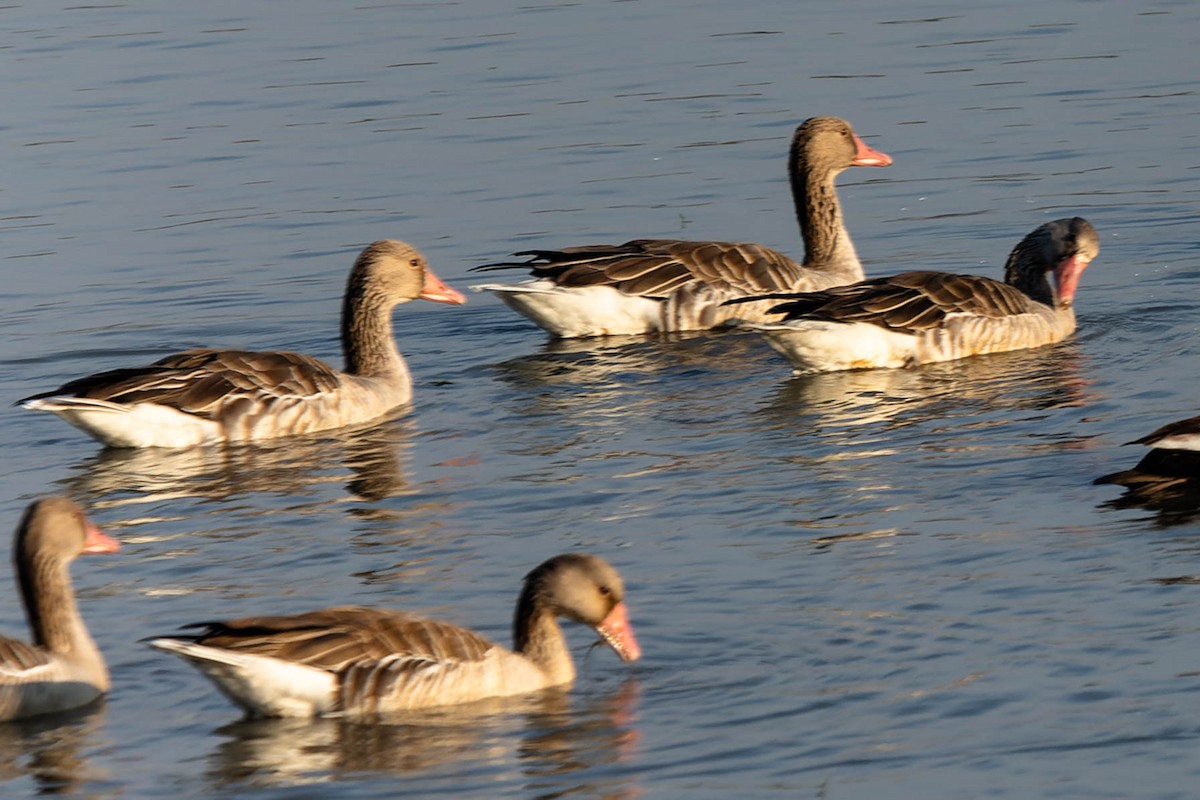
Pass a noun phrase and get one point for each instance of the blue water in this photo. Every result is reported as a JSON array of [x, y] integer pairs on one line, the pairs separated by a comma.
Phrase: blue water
[[897, 584]]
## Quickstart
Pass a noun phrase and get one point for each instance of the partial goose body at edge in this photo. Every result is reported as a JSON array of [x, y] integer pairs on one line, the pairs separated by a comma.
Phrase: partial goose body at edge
[[1183, 434], [661, 285], [1171, 469], [204, 396], [923, 317], [62, 669], [362, 662]]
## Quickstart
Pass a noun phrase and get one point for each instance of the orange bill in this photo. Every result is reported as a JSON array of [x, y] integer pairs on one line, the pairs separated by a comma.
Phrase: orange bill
[[1066, 278], [98, 541], [437, 291], [868, 156], [617, 631]]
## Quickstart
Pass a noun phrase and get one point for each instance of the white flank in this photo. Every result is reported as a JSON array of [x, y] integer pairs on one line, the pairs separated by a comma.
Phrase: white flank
[[819, 346], [138, 425], [581, 311], [263, 686]]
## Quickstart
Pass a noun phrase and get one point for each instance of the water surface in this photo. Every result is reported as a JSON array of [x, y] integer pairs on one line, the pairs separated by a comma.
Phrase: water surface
[[895, 584]]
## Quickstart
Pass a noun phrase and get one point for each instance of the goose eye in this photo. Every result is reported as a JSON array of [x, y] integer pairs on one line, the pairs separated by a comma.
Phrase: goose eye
[[605, 591], [416, 262]]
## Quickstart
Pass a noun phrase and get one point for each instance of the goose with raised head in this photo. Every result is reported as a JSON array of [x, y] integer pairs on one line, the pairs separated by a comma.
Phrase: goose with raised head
[[62, 667], [659, 285], [362, 662], [206, 395], [921, 317]]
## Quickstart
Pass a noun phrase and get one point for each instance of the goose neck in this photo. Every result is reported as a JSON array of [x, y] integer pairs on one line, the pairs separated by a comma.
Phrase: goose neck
[[54, 620], [827, 243], [538, 636], [368, 344]]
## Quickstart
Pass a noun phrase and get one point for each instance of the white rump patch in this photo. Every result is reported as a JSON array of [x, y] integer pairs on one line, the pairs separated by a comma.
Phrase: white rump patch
[[262, 685], [820, 346], [581, 311], [137, 425]]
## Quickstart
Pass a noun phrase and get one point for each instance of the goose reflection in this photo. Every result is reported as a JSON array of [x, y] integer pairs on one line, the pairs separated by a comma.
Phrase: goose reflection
[[1039, 379], [616, 358], [51, 749], [553, 738], [369, 462], [634, 376]]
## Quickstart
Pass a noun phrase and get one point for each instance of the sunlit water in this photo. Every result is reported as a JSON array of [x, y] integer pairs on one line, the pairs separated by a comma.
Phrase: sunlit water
[[891, 584]]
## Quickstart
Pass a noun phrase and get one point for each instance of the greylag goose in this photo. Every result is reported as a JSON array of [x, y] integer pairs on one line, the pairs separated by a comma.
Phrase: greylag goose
[[921, 317], [655, 285], [361, 662], [203, 396], [62, 669]]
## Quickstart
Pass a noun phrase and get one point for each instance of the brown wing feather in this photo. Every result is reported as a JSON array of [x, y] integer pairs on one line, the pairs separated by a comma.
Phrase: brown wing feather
[[200, 381], [334, 638], [17, 656], [909, 302], [656, 267]]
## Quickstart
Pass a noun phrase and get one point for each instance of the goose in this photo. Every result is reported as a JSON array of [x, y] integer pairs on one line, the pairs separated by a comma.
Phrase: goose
[[1171, 466], [204, 396], [921, 317], [1183, 434], [62, 668], [362, 662], [659, 285]]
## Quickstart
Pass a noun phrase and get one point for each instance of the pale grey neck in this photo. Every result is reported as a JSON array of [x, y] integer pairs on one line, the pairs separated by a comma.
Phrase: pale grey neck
[[368, 344], [54, 619], [538, 636], [827, 244]]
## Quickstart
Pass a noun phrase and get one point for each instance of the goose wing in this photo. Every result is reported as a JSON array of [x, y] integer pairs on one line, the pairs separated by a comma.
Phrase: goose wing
[[202, 381], [910, 302], [338, 639], [654, 268], [17, 657]]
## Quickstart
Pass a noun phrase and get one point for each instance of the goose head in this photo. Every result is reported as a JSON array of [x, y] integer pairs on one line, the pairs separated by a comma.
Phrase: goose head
[[1063, 247], [830, 145], [588, 590], [56, 528], [397, 271]]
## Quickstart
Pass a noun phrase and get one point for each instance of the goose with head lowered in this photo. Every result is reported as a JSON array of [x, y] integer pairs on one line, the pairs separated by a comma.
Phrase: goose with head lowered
[[661, 285], [204, 396], [921, 317], [62, 667], [362, 662]]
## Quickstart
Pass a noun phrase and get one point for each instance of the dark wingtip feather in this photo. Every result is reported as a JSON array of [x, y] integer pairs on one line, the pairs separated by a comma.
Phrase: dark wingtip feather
[[756, 297]]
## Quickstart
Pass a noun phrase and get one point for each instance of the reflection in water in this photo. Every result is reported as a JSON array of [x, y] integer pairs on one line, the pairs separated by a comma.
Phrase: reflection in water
[[562, 750], [49, 749], [603, 373], [289, 466], [614, 360], [1039, 379], [552, 743], [1165, 481], [617, 380]]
